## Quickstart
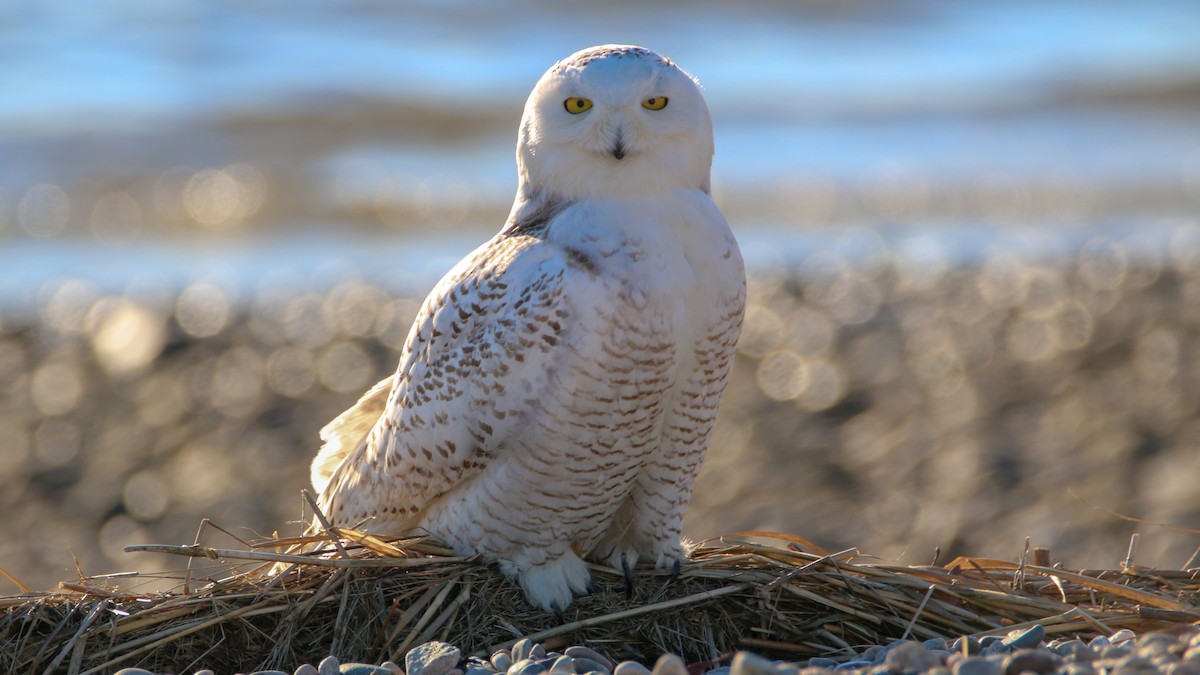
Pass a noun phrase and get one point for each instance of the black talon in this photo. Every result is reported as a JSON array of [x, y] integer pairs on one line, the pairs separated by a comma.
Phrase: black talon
[[628, 569], [590, 588], [676, 568], [558, 613]]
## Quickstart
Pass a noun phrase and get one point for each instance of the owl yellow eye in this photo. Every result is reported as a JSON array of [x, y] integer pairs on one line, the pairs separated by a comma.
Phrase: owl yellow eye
[[577, 105], [655, 103]]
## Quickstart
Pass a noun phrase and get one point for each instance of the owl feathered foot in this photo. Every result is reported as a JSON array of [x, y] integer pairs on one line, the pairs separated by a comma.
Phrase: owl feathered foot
[[627, 568], [553, 584]]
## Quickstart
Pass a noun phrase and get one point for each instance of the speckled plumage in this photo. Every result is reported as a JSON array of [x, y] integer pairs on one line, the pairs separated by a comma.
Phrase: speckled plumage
[[556, 393]]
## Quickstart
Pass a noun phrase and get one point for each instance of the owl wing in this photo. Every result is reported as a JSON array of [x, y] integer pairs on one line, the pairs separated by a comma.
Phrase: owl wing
[[485, 346], [348, 430]]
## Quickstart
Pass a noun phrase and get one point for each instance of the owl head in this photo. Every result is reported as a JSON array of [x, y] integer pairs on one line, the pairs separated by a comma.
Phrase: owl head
[[614, 121]]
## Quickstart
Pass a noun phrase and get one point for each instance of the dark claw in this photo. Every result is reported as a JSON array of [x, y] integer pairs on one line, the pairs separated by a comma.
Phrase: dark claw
[[590, 588], [676, 568], [628, 569], [558, 613]]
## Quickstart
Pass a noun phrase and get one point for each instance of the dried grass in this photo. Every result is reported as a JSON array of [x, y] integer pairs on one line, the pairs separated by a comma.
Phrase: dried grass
[[374, 598]]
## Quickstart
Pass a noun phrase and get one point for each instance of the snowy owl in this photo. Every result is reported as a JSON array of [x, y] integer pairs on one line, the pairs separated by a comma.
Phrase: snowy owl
[[557, 390]]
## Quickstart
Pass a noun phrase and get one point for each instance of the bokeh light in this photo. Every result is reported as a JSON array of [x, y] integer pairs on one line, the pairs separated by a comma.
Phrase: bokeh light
[[44, 210]]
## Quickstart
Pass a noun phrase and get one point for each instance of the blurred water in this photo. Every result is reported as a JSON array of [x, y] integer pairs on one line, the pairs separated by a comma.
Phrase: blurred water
[[971, 230], [366, 106]]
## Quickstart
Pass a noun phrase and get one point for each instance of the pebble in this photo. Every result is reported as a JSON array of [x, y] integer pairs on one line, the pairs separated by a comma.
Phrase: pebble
[[974, 665], [744, 663], [669, 664], [581, 652], [630, 668], [968, 646], [1020, 652], [362, 669], [1025, 639], [1031, 660], [910, 658], [520, 651], [502, 661], [431, 658]]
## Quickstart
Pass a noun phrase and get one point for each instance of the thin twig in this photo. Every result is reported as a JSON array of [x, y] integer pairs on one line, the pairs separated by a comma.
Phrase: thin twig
[[339, 563], [916, 615], [636, 611], [337, 542]]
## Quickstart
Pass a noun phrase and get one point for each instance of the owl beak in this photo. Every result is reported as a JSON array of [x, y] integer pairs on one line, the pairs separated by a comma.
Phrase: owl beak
[[618, 149]]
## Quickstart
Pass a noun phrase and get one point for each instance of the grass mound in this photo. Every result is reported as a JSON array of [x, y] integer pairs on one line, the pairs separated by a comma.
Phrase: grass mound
[[373, 598]]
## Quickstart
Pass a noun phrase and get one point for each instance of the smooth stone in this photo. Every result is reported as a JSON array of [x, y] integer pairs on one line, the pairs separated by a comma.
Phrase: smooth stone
[[584, 664], [909, 658], [476, 670], [996, 649], [822, 662], [874, 654], [363, 669], [502, 660], [206, 671], [1123, 635], [520, 651], [669, 664], [975, 665], [432, 658], [263, 672], [565, 665], [329, 666], [581, 652], [306, 669], [526, 667], [1099, 642], [392, 667], [133, 671], [854, 664], [967, 645], [987, 640], [1027, 638], [1117, 652], [1159, 637], [748, 663], [1071, 648], [935, 644], [811, 670], [1077, 669], [537, 651], [1182, 668], [1133, 665], [1031, 660], [631, 668]]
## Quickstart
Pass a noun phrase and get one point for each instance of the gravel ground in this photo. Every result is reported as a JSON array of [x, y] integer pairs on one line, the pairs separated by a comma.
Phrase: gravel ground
[[902, 405], [1021, 651]]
